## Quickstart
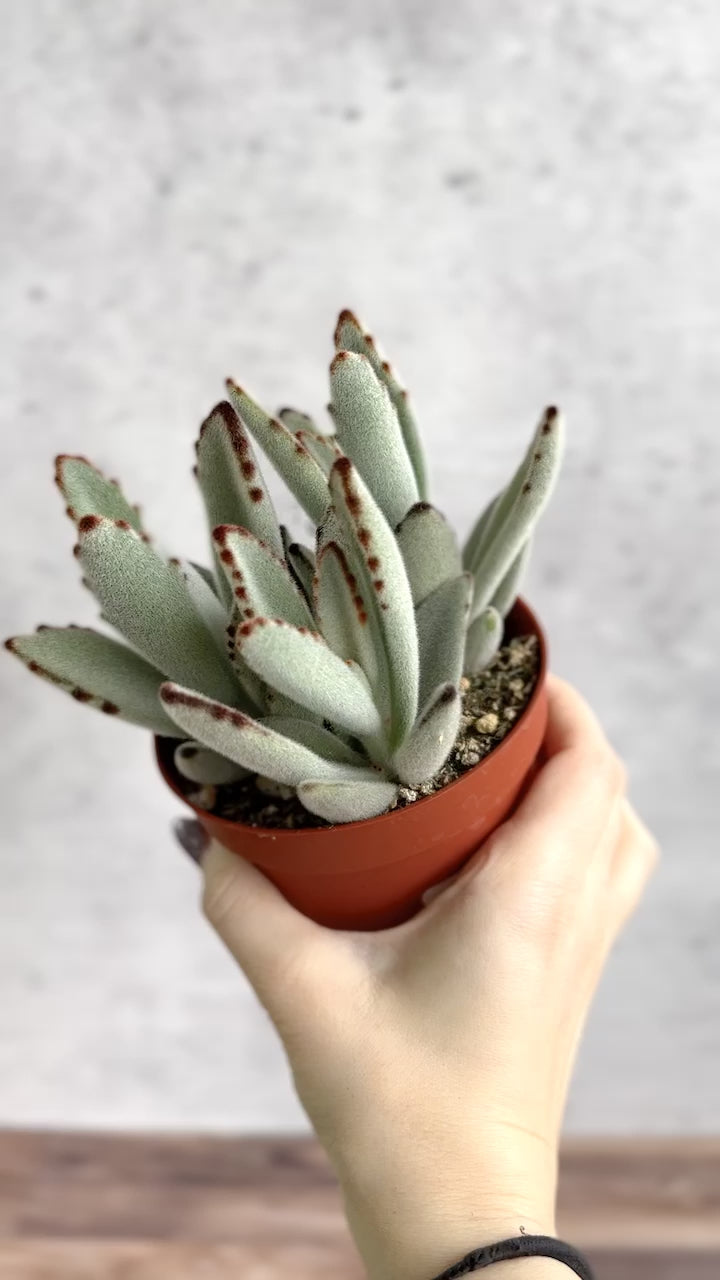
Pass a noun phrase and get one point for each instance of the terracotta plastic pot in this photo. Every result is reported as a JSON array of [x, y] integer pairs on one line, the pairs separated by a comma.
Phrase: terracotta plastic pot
[[372, 874]]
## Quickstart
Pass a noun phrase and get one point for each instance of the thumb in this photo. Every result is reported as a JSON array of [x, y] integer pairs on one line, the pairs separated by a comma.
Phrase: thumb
[[261, 929]]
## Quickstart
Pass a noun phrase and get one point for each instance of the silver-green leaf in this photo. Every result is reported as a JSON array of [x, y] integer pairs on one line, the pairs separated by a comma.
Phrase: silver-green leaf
[[205, 601], [301, 473], [376, 562], [296, 420], [432, 738], [478, 534], [97, 671], [299, 663], [315, 737], [88, 493], [342, 611], [148, 602], [507, 592], [301, 562], [441, 623], [231, 482], [369, 432], [324, 449], [238, 737], [350, 335], [261, 581], [199, 764], [347, 801], [483, 639], [429, 549], [531, 494]]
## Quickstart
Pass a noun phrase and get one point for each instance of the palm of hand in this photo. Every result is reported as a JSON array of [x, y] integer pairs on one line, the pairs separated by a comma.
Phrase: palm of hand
[[452, 1037]]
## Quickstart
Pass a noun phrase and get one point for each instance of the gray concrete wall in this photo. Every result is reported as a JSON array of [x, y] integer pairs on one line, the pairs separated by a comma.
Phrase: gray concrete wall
[[522, 199]]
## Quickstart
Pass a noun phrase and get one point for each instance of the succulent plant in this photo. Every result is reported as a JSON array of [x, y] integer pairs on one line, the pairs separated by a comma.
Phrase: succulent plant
[[334, 670]]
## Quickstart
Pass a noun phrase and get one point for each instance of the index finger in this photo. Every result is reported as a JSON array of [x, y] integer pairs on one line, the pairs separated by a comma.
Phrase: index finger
[[581, 776], [572, 723]]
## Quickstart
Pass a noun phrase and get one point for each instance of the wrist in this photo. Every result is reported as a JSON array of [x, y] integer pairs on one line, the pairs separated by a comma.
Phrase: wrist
[[397, 1244], [413, 1215], [529, 1269]]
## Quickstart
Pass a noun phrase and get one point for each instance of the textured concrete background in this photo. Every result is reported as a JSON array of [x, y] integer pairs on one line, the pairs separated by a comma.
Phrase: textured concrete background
[[521, 198]]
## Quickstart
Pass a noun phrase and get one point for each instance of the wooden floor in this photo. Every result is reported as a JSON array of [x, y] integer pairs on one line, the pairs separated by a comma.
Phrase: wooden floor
[[94, 1207]]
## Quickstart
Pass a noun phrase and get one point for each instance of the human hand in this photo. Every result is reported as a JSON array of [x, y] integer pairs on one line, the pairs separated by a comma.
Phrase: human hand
[[433, 1058]]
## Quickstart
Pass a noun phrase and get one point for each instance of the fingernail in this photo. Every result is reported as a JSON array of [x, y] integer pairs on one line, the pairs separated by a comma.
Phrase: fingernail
[[193, 837]]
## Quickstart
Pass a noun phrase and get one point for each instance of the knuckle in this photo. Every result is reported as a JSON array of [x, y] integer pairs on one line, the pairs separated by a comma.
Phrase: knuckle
[[544, 914], [651, 850], [644, 844], [633, 880], [632, 888], [615, 770], [607, 765]]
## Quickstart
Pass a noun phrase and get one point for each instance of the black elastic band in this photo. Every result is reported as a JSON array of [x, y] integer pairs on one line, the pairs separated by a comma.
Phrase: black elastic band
[[520, 1247]]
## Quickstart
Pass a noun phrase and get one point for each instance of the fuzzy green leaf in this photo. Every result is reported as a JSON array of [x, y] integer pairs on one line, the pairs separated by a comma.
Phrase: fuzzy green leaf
[[350, 335], [530, 495], [288, 554], [255, 689], [301, 473], [479, 532], [441, 623], [429, 549], [286, 539], [296, 420], [148, 602], [315, 737], [299, 663], [507, 592], [204, 600], [301, 562], [483, 639], [98, 671], [240, 738], [324, 449], [369, 433], [342, 611], [232, 484], [342, 615], [375, 560], [347, 801], [498, 509], [261, 581], [200, 764], [231, 481], [207, 576], [278, 704], [432, 739], [329, 530], [88, 493]]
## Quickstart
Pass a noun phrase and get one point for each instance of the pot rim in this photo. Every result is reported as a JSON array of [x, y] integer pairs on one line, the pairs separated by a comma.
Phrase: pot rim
[[530, 625]]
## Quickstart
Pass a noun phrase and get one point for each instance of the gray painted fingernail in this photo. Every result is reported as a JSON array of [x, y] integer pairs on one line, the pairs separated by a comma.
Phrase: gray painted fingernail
[[193, 837]]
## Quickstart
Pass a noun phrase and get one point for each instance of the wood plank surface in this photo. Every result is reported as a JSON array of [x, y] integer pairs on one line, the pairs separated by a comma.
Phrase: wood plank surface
[[150, 1260], [164, 1207], [103, 1260]]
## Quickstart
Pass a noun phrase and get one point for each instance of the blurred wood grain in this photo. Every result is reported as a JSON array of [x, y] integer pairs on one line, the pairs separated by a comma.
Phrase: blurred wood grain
[[157, 1207]]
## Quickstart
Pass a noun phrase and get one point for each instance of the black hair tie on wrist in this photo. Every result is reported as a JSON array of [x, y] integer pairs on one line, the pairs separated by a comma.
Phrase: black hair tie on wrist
[[520, 1247]]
